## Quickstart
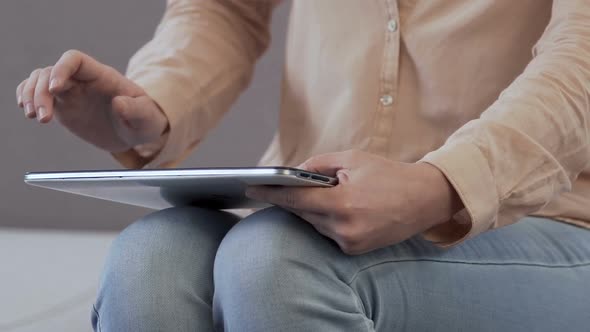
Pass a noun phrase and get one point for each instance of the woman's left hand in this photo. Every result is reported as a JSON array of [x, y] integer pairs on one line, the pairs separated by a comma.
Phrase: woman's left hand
[[377, 202]]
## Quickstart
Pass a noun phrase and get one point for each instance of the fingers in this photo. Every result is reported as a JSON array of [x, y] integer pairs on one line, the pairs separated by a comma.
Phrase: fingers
[[328, 164], [316, 200], [316, 219], [329, 227], [43, 99], [33, 94], [28, 94], [19, 93], [74, 65], [320, 222]]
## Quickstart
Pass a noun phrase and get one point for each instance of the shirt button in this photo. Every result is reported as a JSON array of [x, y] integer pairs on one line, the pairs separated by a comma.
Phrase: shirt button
[[392, 25], [386, 100]]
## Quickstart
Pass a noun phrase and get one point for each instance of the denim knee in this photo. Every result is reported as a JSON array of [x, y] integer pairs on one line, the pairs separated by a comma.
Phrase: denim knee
[[158, 262], [267, 267], [270, 239]]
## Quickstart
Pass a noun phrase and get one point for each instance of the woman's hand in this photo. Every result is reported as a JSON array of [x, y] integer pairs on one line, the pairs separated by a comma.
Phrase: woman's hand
[[93, 101], [377, 202]]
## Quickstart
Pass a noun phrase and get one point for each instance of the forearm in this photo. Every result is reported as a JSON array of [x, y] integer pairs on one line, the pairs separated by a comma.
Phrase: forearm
[[535, 139], [199, 60]]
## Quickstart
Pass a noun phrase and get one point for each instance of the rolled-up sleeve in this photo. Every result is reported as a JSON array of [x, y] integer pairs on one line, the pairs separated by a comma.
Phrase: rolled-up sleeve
[[199, 60], [533, 141]]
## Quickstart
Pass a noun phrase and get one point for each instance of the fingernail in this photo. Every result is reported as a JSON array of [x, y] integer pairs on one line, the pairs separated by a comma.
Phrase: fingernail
[[20, 101], [29, 111], [41, 113], [53, 84]]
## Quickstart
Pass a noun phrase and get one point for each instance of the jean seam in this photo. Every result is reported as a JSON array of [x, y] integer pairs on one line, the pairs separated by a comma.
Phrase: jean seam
[[549, 266], [97, 318], [360, 306]]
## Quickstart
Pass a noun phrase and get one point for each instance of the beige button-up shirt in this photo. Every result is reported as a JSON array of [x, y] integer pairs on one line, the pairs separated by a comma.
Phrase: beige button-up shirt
[[496, 94]]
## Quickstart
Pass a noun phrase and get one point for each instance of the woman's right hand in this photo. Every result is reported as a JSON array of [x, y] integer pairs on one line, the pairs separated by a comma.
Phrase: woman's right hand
[[93, 101]]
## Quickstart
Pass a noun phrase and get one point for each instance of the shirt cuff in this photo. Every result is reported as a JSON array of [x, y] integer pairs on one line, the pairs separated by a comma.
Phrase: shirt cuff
[[466, 168], [171, 148]]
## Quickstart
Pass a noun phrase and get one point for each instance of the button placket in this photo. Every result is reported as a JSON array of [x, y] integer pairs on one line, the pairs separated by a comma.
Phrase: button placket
[[388, 81]]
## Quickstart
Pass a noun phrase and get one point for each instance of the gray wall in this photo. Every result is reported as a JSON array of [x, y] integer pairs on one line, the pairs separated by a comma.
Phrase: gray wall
[[34, 33]]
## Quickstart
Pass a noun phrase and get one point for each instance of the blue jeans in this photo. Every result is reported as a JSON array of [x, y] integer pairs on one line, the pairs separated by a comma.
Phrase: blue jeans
[[190, 269]]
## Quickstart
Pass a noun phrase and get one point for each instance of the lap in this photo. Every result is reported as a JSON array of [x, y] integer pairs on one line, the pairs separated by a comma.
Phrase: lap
[[530, 275], [530, 242]]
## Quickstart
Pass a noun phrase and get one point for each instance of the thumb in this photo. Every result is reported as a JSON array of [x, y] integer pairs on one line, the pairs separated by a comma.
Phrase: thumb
[[327, 164]]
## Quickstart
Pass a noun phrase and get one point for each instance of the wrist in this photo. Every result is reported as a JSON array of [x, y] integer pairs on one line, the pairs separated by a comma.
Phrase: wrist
[[442, 198]]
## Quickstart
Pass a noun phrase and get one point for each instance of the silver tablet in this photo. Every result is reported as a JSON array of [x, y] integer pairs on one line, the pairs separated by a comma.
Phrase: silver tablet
[[216, 188]]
